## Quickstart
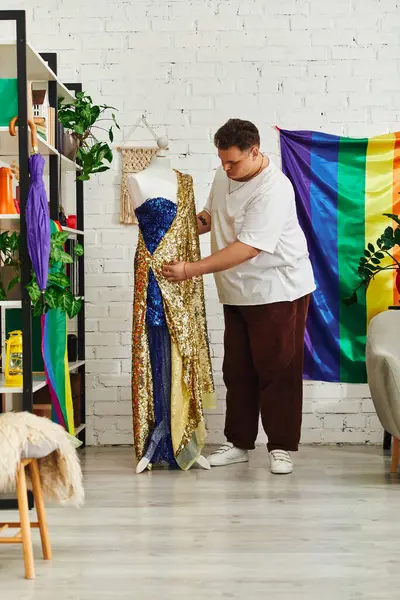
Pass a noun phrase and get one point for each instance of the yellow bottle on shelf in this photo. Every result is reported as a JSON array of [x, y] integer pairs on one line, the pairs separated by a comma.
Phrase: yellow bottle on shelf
[[13, 367]]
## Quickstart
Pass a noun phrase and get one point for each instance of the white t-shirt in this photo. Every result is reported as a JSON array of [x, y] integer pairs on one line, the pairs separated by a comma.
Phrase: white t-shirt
[[260, 213]]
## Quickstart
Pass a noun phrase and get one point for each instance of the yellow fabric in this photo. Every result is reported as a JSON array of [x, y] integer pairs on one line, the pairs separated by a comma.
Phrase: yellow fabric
[[184, 308], [379, 192], [180, 400]]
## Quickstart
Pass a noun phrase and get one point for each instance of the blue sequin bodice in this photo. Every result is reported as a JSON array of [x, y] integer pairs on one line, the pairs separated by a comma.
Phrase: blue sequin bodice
[[155, 217]]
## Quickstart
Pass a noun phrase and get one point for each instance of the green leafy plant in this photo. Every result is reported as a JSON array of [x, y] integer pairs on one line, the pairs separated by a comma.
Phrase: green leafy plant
[[57, 294], [9, 247], [81, 118], [377, 258]]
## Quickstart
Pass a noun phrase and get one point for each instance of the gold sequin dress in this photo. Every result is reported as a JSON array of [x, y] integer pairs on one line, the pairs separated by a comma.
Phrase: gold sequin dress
[[171, 367]]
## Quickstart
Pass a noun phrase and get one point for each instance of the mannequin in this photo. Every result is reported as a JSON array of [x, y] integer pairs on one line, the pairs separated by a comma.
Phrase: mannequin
[[156, 188], [156, 181]]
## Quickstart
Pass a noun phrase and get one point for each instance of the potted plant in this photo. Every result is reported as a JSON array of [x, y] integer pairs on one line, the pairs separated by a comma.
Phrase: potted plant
[[58, 294], [80, 119], [378, 258]]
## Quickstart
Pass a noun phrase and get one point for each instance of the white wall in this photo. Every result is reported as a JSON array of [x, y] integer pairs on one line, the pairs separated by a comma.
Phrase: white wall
[[191, 64]]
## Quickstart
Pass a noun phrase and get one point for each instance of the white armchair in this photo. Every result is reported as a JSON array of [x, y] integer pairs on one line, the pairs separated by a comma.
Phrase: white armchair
[[383, 368]]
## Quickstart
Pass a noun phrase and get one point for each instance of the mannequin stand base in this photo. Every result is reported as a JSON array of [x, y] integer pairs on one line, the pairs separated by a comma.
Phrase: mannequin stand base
[[144, 464]]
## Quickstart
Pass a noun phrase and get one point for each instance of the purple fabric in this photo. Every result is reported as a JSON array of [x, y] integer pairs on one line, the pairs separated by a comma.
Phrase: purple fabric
[[296, 164], [38, 221]]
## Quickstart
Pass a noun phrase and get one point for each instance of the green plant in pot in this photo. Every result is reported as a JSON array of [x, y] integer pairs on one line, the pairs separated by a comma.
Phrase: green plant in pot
[[81, 118], [58, 294], [377, 258]]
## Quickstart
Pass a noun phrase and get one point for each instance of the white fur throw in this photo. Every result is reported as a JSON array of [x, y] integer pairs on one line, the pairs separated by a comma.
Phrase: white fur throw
[[60, 471]]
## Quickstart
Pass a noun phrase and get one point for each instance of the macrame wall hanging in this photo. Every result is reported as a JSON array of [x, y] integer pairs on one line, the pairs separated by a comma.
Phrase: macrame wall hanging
[[134, 159]]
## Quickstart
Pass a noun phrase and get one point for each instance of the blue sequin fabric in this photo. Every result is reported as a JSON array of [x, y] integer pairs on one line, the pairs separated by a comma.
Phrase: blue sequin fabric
[[159, 449], [155, 217]]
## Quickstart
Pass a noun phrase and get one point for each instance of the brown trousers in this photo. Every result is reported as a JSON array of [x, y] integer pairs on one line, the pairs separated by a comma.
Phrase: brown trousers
[[263, 372]]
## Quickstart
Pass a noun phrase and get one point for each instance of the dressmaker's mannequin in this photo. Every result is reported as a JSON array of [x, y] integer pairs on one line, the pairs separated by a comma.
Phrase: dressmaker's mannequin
[[158, 180]]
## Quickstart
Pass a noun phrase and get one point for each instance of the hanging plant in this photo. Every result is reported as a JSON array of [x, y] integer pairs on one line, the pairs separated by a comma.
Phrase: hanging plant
[[80, 118], [378, 258], [58, 294]]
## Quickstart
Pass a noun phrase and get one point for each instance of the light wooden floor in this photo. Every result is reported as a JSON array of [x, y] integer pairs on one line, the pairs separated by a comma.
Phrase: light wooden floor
[[330, 531]]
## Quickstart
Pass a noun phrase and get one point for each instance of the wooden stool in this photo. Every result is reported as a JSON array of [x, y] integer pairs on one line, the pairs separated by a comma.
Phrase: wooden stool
[[395, 455], [24, 535]]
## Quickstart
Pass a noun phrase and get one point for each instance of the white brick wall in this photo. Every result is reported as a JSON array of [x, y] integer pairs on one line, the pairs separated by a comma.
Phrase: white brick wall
[[191, 64]]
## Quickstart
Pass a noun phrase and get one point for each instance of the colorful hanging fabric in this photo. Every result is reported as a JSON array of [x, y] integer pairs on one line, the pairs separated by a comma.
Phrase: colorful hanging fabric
[[343, 187], [55, 358]]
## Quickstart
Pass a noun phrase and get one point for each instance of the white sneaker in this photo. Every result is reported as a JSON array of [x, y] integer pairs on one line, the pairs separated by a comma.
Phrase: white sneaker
[[228, 454], [280, 462]]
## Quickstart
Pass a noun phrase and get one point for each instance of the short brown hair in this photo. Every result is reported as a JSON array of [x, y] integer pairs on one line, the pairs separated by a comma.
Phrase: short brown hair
[[236, 132]]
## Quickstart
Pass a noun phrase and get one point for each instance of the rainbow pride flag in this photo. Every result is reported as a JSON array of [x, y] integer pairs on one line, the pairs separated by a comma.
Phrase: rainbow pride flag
[[343, 187], [55, 358]]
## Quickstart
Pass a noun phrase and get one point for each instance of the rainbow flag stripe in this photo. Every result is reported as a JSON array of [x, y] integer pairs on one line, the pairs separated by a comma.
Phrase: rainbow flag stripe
[[55, 358], [343, 187]]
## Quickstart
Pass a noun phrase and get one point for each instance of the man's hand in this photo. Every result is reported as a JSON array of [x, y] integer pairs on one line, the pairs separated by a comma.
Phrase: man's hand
[[175, 272], [231, 256]]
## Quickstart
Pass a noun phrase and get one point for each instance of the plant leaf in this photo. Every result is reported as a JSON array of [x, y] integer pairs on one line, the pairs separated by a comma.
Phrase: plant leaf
[[75, 308], [109, 155], [115, 121], [51, 296], [60, 279], [111, 134], [66, 258], [14, 282], [65, 301], [380, 255], [371, 248], [395, 218], [351, 299], [37, 309], [3, 295], [94, 114], [84, 177], [367, 253], [55, 255], [14, 241], [60, 238], [100, 169], [78, 250], [376, 261], [33, 291]]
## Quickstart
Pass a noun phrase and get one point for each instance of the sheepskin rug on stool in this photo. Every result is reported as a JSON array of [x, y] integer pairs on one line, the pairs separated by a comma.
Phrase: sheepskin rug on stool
[[24, 435]]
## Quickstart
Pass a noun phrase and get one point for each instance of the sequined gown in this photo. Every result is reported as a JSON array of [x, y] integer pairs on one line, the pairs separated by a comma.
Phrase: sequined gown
[[155, 218], [171, 367]]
